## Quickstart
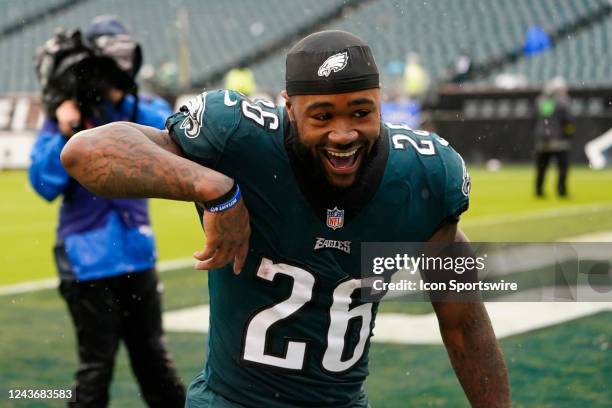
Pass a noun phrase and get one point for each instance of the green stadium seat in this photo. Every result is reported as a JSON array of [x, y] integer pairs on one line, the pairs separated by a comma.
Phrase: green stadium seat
[[440, 29], [218, 33]]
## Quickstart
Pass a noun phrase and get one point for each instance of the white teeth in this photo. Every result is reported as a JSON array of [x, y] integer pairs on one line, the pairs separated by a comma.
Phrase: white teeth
[[347, 154]]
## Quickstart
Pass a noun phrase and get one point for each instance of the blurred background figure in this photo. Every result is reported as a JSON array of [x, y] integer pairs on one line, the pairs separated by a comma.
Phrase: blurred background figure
[[461, 68], [406, 85], [241, 80], [537, 40], [553, 130], [105, 250], [416, 78], [397, 108]]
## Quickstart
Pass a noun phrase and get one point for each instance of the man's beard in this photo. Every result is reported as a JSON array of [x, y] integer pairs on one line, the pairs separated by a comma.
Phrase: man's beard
[[304, 156], [312, 164]]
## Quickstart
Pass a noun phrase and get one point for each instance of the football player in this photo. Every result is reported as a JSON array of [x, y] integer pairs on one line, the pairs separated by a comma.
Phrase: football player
[[319, 176]]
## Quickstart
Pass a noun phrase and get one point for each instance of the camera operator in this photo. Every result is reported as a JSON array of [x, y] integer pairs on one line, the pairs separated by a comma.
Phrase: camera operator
[[105, 250]]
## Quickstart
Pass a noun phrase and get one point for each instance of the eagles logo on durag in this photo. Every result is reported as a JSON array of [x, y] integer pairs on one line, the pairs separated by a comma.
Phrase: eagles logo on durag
[[335, 63]]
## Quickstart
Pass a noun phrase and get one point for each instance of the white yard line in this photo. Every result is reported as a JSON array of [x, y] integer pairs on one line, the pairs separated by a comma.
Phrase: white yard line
[[603, 236], [536, 215], [174, 264], [508, 318], [33, 286], [163, 266]]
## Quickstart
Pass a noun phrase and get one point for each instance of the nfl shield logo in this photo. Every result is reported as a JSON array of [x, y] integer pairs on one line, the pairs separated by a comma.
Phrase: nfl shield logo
[[335, 218]]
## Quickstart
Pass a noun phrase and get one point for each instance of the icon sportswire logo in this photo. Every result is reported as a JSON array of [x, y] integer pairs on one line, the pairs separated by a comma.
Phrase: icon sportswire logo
[[335, 63]]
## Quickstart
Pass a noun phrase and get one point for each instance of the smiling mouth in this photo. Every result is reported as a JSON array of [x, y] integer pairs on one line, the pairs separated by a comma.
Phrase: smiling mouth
[[343, 162]]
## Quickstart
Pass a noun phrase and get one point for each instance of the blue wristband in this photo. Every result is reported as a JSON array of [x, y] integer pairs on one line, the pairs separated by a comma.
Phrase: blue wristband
[[227, 204]]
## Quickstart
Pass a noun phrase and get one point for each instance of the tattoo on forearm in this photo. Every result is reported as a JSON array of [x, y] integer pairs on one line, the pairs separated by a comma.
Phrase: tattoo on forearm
[[120, 164]]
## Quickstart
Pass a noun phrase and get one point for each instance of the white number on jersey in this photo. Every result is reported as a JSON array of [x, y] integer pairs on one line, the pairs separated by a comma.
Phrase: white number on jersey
[[424, 147], [340, 316], [254, 110], [257, 329]]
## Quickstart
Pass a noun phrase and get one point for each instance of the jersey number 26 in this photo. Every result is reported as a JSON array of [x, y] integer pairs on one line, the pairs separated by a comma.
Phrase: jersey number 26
[[339, 317]]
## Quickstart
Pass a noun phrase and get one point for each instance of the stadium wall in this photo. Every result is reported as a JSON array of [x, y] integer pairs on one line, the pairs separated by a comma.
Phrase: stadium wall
[[483, 124], [20, 116], [480, 124], [511, 141]]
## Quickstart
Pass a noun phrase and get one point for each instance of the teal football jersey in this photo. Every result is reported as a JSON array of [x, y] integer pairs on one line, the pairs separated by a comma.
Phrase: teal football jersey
[[290, 330]]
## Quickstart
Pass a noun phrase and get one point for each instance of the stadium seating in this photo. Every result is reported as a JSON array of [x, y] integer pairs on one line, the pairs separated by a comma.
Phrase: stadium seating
[[572, 58], [16, 11], [440, 29], [218, 33]]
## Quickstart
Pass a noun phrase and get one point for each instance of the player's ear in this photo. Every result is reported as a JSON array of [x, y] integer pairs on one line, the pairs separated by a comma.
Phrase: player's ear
[[288, 105]]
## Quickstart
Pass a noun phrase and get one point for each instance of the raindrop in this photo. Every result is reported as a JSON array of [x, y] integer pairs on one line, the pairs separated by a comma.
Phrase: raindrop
[[257, 29]]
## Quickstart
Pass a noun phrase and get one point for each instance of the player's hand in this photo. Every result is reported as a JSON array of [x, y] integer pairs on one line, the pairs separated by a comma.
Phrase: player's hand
[[68, 117], [227, 238]]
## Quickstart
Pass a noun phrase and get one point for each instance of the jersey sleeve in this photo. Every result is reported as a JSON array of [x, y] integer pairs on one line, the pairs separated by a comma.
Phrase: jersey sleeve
[[203, 126], [456, 191]]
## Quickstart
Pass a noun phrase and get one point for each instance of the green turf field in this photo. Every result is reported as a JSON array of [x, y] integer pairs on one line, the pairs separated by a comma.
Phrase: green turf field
[[567, 365], [503, 208], [28, 230]]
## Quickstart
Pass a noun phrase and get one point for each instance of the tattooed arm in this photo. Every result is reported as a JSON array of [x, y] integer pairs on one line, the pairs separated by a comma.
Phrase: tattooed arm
[[128, 160], [471, 343]]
